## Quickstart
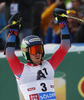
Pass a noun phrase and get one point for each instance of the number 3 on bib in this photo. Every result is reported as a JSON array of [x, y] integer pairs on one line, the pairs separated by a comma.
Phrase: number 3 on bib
[[44, 88]]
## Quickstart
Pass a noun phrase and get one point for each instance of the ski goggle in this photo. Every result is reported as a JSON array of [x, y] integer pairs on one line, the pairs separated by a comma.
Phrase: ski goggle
[[36, 48], [71, 12]]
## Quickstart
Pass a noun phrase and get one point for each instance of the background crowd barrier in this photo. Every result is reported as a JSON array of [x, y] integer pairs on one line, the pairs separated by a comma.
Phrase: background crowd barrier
[[72, 66]]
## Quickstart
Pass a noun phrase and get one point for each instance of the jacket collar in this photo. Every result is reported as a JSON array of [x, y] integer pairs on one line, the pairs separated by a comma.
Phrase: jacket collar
[[31, 64]]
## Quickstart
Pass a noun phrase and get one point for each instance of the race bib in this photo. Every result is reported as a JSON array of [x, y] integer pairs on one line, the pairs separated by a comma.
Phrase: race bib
[[39, 90]]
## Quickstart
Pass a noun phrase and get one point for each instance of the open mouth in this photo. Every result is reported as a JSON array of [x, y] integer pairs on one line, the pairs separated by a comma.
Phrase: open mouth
[[37, 57]]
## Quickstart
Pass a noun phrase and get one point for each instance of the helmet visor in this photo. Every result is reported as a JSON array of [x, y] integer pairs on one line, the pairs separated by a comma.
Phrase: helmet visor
[[36, 48]]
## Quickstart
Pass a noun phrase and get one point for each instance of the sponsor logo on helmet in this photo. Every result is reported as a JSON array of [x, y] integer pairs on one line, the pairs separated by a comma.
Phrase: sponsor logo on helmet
[[34, 39], [81, 87]]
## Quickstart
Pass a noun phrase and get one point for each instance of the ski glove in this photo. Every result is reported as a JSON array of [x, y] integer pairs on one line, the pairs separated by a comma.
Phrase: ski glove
[[57, 12]]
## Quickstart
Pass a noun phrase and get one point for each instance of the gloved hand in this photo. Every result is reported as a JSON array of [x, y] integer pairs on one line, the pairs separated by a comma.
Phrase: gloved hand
[[14, 24], [15, 21], [57, 12]]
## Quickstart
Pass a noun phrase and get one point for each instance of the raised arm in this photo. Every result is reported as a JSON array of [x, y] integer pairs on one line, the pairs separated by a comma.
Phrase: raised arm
[[13, 61], [58, 56]]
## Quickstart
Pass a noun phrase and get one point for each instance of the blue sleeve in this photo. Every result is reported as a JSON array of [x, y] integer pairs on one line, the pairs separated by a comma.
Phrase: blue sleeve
[[48, 37], [12, 37], [64, 30]]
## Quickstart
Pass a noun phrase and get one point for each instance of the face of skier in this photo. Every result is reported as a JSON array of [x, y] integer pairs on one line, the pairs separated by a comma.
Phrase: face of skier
[[36, 58], [36, 53]]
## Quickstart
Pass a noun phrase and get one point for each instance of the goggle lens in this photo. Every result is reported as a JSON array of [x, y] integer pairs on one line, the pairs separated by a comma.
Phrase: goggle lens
[[36, 48]]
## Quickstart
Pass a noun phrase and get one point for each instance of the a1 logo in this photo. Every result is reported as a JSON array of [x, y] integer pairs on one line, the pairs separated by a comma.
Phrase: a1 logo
[[40, 74]]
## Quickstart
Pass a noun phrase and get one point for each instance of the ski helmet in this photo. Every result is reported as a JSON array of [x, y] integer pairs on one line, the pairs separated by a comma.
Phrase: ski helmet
[[29, 41]]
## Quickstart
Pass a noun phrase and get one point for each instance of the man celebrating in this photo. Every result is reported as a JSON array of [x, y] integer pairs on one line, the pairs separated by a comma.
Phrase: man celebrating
[[36, 77]]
